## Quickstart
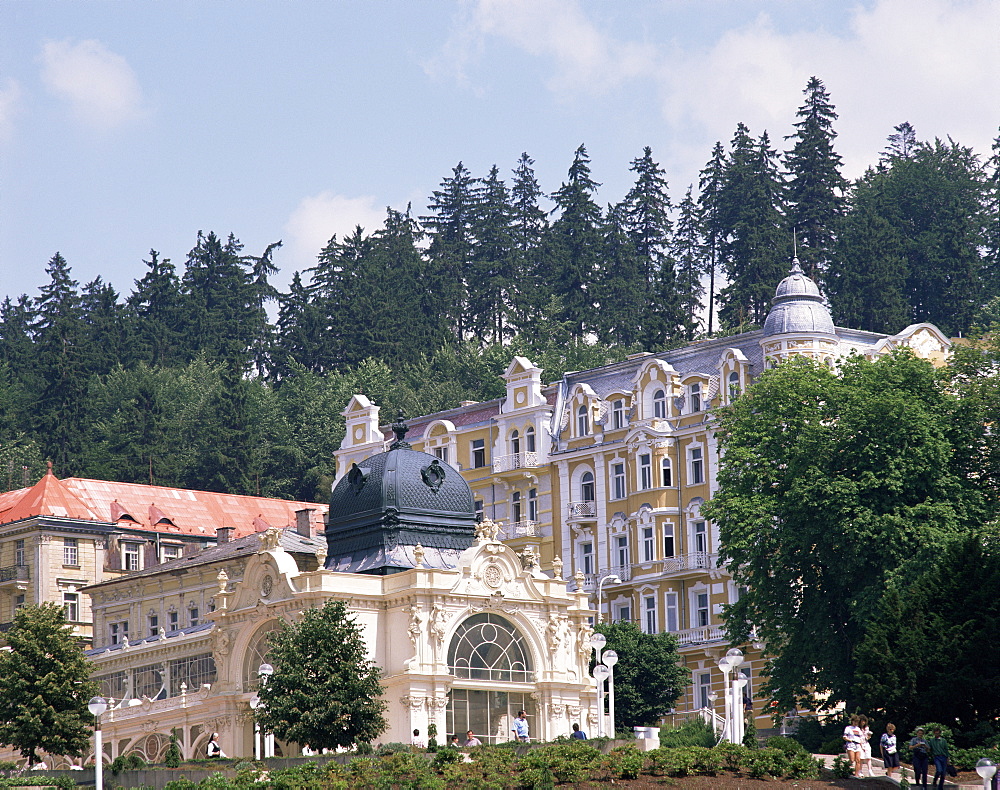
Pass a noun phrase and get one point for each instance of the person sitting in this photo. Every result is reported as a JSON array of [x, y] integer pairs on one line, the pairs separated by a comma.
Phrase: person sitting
[[454, 742], [417, 741], [578, 733]]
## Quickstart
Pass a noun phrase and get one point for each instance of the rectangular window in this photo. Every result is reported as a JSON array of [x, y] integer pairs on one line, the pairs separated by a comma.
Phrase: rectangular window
[[670, 612], [71, 551], [648, 544], [704, 687], [623, 614], [618, 414], [478, 453], [533, 504], [695, 397], [18, 602], [529, 437], [479, 509], [154, 625], [172, 621], [587, 553], [195, 672], [19, 552], [193, 616], [622, 544], [441, 453], [665, 473], [71, 603], [618, 480], [645, 471], [701, 611], [649, 614], [700, 538], [697, 466], [130, 556], [169, 553], [119, 632], [668, 541], [515, 501]]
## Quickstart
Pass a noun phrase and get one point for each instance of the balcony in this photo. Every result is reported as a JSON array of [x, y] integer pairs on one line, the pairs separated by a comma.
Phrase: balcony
[[685, 563], [699, 636], [15, 573], [623, 572], [581, 511], [520, 529], [511, 463]]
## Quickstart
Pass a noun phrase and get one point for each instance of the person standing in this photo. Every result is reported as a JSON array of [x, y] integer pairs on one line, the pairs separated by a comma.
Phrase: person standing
[[887, 745], [520, 728], [920, 750], [939, 754], [865, 752], [213, 750], [852, 744], [471, 740], [577, 733]]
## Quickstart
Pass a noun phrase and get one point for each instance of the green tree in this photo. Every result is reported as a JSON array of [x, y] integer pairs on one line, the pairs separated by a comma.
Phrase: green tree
[[828, 486], [622, 315], [926, 656], [815, 192], [44, 685], [325, 691], [491, 276], [649, 677], [531, 289], [711, 181], [691, 260], [153, 312]]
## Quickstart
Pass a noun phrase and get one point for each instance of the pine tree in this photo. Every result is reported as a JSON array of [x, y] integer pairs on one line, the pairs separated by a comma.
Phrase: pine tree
[[301, 338], [154, 315], [531, 286], [622, 292], [754, 249], [903, 144], [106, 332], [17, 337], [711, 181], [691, 260], [44, 685], [815, 185], [491, 281], [576, 244]]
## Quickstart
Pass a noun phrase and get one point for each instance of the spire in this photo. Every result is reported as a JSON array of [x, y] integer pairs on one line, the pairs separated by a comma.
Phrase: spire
[[399, 428]]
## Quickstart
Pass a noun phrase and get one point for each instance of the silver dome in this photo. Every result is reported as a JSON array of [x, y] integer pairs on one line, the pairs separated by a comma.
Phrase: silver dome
[[798, 306]]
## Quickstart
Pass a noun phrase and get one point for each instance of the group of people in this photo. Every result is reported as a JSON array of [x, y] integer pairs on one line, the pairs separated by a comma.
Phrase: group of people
[[520, 731], [924, 751]]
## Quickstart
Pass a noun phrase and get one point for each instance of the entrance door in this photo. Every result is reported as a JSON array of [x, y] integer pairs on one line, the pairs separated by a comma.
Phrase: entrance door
[[489, 714]]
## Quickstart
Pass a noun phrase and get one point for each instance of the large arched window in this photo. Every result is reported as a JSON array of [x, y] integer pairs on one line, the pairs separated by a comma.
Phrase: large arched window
[[587, 487], [488, 647]]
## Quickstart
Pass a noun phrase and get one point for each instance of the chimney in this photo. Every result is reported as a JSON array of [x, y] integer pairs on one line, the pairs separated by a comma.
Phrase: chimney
[[224, 534], [302, 522]]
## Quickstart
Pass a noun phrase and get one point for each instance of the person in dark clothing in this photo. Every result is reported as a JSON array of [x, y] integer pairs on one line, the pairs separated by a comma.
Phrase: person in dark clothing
[[921, 752]]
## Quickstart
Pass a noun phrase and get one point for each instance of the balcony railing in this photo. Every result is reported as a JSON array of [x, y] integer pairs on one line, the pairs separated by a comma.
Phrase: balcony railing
[[697, 560], [509, 463], [623, 572], [15, 573], [582, 509], [697, 636], [519, 529]]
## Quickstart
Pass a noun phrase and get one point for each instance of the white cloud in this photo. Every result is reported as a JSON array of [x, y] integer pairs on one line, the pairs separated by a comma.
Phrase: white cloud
[[318, 217], [10, 96], [99, 85]]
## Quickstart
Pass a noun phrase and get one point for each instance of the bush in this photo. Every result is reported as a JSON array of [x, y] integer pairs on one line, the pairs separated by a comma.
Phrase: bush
[[767, 762], [180, 784], [446, 755], [803, 765], [173, 757], [365, 749], [127, 762], [842, 767], [63, 782], [832, 746], [733, 755], [392, 748], [750, 736], [693, 732], [572, 761], [787, 745], [625, 762]]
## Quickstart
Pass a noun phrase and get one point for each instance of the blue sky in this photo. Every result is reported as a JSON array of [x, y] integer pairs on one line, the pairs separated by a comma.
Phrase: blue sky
[[131, 125]]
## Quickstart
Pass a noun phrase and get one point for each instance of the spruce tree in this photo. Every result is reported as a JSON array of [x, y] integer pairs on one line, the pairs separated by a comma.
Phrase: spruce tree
[[531, 286], [711, 181], [154, 315], [621, 292], [691, 259], [105, 327], [491, 277], [576, 244], [991, 274], [815, 185], [45, 685]]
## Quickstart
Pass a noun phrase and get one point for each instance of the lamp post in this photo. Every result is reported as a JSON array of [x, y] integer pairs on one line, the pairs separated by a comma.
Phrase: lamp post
[[726, 666], [254, 704], [601, 674], [614, 579], [986, 768], [712, 697], [264, 672], [97, 706], [735, 657], [598, 641], [610, 659]]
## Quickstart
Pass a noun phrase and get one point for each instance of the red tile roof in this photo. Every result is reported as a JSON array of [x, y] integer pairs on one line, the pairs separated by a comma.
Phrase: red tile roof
[[180, 510]]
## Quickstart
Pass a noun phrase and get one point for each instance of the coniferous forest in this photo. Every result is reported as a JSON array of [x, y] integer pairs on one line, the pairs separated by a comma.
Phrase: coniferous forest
[[186, 380]]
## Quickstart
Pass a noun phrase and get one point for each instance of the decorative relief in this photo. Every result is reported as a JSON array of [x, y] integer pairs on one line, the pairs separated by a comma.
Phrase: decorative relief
[[555, 630], [487, 531], [583, 634], [220, 643], [433, 475], [529, 558], [557, 567], [419, 552], [495, 603], [269, 539], [438, 703], [266, 586], [439, 623], [492, 576], [413, 703]]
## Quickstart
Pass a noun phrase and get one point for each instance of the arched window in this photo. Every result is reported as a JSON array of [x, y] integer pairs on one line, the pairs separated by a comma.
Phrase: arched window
[[488, 647], [582, 423], [587, 493], [734, 385], [529, 439], [659, 405], [515, 442], [666, 475]]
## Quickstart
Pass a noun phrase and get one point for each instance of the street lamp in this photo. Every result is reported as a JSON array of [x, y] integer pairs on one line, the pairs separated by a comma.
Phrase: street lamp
[[986, 768], [614, 579], [97, 706], [264, 672], [610, 659], [601, 674], [726, 666]]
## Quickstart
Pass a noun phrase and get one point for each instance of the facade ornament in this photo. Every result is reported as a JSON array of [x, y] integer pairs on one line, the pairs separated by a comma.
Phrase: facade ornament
[[413, 703], [220, 644], [554, 630], [419, 552], [161, 633], [579, 578], [223, 580], [583, 635], [487, 531], [557, 568], [416, 626], [321, 556], [439, 620], [529, 557], [269, 539], [438, 703]]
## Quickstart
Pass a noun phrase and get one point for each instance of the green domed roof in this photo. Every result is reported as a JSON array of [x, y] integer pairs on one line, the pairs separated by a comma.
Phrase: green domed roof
[[384, 506]]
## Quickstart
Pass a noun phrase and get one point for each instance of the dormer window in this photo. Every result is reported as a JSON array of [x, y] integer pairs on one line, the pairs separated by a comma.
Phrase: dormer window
[[582, 422], [659, 405], [694, 397], [130, 556], [734, 385], [618, 414], [441, 453]]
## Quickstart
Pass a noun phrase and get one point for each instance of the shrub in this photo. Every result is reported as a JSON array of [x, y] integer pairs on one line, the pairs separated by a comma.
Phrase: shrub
[[802, 765], [832, 746], [733, 755], [685, 760], [786, 745], [842, 767], [127, 762], [573, 761], [446, 755], [750, 736], [811, 734], [392, 748], [365, 749], [180, 784], [625, 762], [766, 762], [173, 758], [693, 732]]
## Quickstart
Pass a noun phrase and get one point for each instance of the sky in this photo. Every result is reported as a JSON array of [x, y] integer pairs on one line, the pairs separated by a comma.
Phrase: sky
[[127, 126]]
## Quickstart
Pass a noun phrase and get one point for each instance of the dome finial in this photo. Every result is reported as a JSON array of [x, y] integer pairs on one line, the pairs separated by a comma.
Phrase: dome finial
[[399, 428]]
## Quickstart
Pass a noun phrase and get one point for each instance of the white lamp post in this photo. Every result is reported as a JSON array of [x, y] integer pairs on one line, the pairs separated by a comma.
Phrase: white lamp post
[[97, 706], [264, 672], [600, 589], [986, 768], [254, 704], [610, 659], [735, 656], [601, 674], [712, 697], [726, 666]]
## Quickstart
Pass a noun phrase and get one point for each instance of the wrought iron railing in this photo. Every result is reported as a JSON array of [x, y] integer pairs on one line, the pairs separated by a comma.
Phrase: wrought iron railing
[[582, 509], [508, 463], [19, 573], [519, 529]]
